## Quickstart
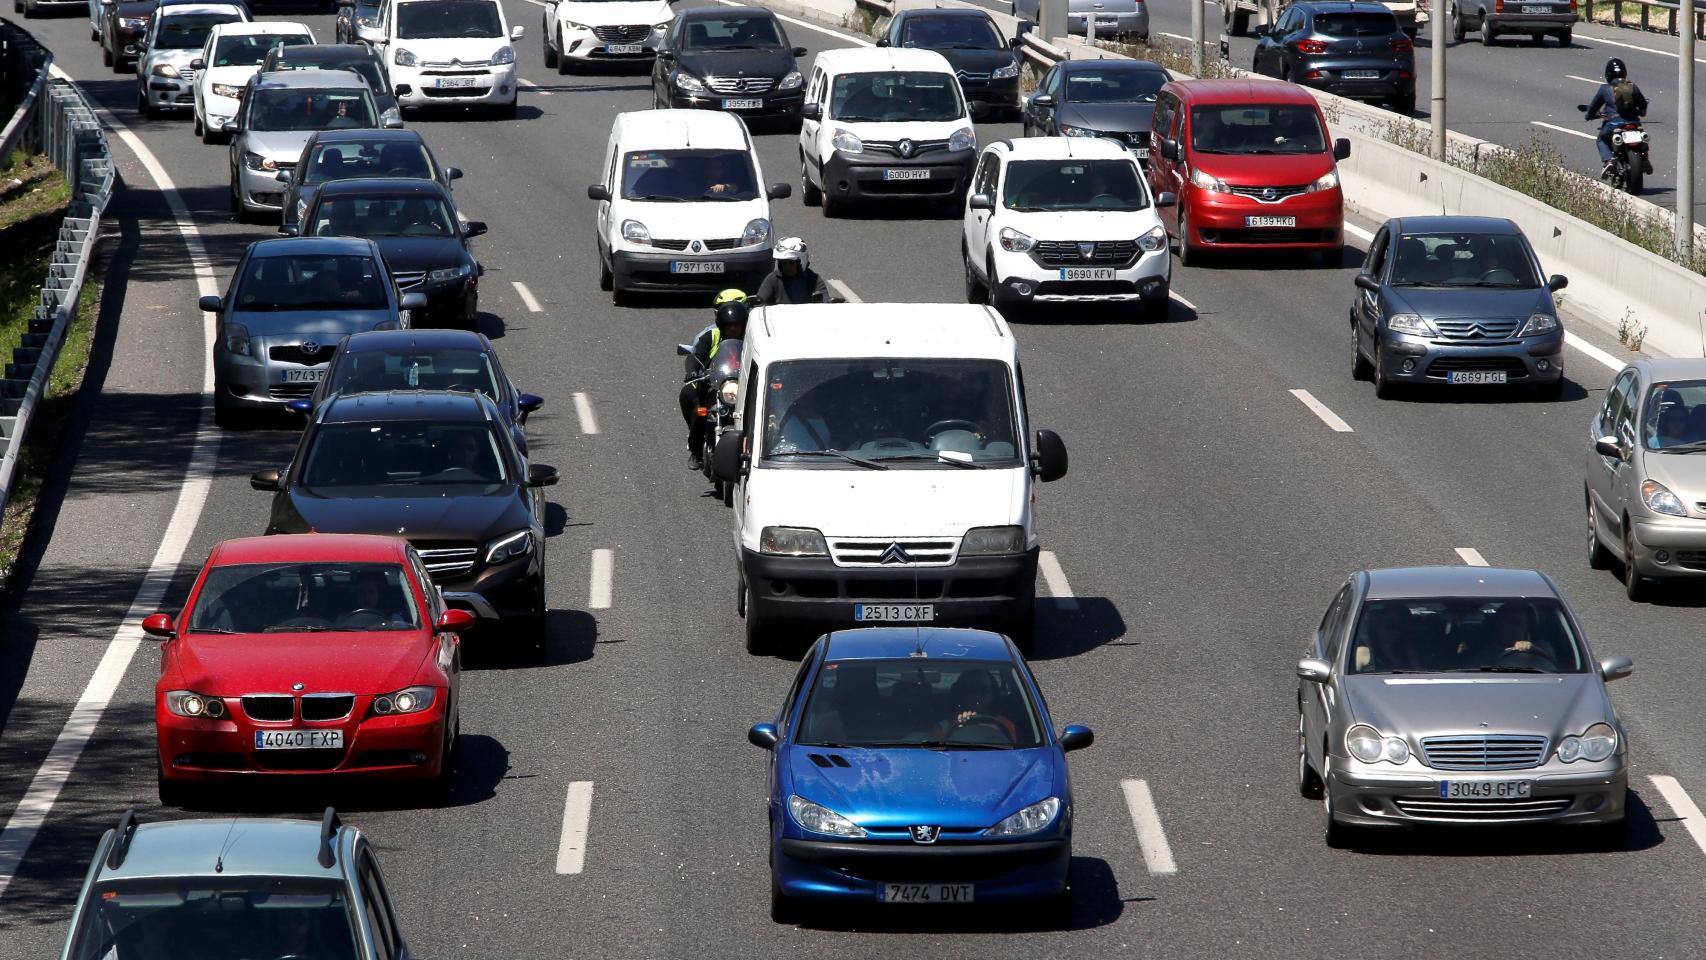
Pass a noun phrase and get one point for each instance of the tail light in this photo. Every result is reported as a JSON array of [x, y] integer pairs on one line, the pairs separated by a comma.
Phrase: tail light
[[1311, 46], [1572, 6], [1402, 45], [1313, 75], [1498, 6], [1403, 74]]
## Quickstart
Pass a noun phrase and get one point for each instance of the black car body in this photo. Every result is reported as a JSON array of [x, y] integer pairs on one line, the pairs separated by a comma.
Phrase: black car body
[[1354, 50], [416, 226], [350, 16], [1114, 99], [440, 469], [358, 58], [984, 61], [729, 58], [355, 155], [122, 27]]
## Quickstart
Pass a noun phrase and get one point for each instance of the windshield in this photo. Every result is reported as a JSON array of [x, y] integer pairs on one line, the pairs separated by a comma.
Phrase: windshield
[[434, 19], [674, 176], [250, 49], [408, 453], [919, 702], [1675, 417], [311, 282], [895, 96], [924, 410], [367, 68], [1370, 24], [300, 109], [1073, 185], [443, 369], [353, 161], [188, 31], [1463, 260], [1275, 128], [731, 33], [352, 216], [1470, 635], [1114, 86], [287, 597], [951, 33], [240, 917]]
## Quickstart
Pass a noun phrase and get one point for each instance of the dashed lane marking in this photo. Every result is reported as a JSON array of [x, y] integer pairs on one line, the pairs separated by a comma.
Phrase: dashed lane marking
[[526, 296], [1554, 127], [845, 291], [1058, 587], [603, 572], [1471, 556], [527, 84], [1328, 417], [583, 410], [1146, 820], [1682, 805], [577, 817]]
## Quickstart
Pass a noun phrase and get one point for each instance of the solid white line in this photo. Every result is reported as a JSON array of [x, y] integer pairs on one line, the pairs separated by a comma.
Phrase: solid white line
[[845, 291], [1055, 577], [1571, 76], [1471, 556], [603, 569], [1320, 409], [527, 84], [798, 23], [1186, 303], [1663, 53], [1553, 126], [577, 815], [1682, 805], [1358, 232], [1592, 351], [583, 409], [50, 778], [1151, 839], [526, 296]]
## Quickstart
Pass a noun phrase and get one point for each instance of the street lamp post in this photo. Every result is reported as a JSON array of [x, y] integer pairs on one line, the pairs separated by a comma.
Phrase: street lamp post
[[1685, 133], [1438, 35]]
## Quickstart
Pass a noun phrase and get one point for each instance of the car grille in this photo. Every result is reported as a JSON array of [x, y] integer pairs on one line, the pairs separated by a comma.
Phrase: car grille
[[1070, 253], [971, 75], [1692, 559], [723, 244], [291, 391], [1515, 808], [405, 279], [294, 353], [1512, 366], [919, 147], [872, 553], [629, 33], [1269, 194], [327, 706], [1483, 752], [1472, 328], [447, 559], [270, 706], [741, 84]]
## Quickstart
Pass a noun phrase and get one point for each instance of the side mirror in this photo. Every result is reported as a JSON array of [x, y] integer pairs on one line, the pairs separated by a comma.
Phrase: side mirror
[[198, 64], [540, 475], [1049, 461], [1313, 670], [265, 480], [1367, 282], [981, 201], [779, 191], [159, 625], [413, 300], [517, 32], [1167, 199], [1014, 43], [1557, 282], [811, 111], [764, 736], [289, 229], [1608, 447], [452, 173], [1341, 149], [726, 458], [1611, 668], [392, 122], [883, 42], [1076, 737], [529, 403], [799, 51], [230, 126], [301, 405], [283, 176], [474, 228], [454, 621], [598, 191], [210, 304], [977, 109], [1170, 150], [1044, 100]]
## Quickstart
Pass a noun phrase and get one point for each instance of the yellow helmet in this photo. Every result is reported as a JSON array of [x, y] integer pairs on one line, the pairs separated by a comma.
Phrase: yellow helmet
[[731, 295]]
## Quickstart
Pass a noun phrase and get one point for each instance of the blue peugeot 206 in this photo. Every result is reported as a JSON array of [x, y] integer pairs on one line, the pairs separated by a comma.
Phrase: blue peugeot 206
[[917, 766]]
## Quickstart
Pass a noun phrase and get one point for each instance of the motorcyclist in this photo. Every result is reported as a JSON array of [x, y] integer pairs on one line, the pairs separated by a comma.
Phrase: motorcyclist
[[1617, 101], [730, 324], [793, 280]]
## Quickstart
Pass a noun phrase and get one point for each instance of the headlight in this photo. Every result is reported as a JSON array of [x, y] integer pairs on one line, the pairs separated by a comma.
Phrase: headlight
[[1366, 744], [227, 90], [1538, 324], [505, 55], [756, 232], [255, 161], [846, 142], [1659, 499], [165, 70], [1029, 820], [1326, 181], [635, 232], [729, 392], [187, 703], [406, 700], [570, 24], [1154, 240], [982, 541], [132, 23], [1015, 241], [661, 27], [1002, 73], [791, 81], [792, 542], [1068, 130], [366, 21], [1409, 323], [237, 340], [517, 544], [450, 273], [689, 83], [1206, 182], [820, 819], [965, 138], [1598, 743], [404, 58]]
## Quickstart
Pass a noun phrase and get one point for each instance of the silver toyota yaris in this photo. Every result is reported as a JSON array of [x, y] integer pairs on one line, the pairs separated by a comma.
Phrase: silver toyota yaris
[[1458, 696]]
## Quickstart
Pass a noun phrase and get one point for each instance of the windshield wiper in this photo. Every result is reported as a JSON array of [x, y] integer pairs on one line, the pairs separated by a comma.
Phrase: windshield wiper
[[871, 464], [654, 198], [297, 629], [935, 458], [935, 745], [212, 630], [1693, 446]]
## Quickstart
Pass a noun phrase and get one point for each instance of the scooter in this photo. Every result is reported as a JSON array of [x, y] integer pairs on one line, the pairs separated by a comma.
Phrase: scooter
[[1629, 163]]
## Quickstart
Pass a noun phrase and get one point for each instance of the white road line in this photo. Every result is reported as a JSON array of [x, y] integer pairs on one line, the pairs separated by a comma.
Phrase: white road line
[[1358, 232], [1663, 53], [1471, 556], [1571, 76], [50, 778], [1151, 839], [845, 291], [1058, 587], [527, 84], [1555, 127], [603, 569], [526, 296], [583, 409], [577, 816], [798, 23], [1682, 805], [1320, 409], [1186, 303], [1592, 351]]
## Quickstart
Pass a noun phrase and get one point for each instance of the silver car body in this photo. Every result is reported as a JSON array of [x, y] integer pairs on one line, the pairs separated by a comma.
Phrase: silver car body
[[1525, 715], [260, 189], [1123, 18], [164, 79]]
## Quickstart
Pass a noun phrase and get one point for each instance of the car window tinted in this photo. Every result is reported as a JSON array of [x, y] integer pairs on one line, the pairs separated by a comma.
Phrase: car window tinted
[[311, 282], [188, 31], [403, 453], [688, 175], [434, 19], [367, 68], [731, 33], [1073, 185], [1463, 260], [1114, 86], [295, 109], [1275, 128], [285, 597], [920, 702], [173, 918], [355, 216], [951, 33], [1371, 24], [250, 49], [894, 96], [1471, 635], [1674, 416], [372, 371], [351, 161]]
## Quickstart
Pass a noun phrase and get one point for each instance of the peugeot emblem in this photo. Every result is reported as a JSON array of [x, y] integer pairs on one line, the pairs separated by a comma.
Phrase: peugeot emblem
[[297, 687], [1087, 250], [310, 346], [695, 246], [906, 148], [924, 834], [1269, 193], [895, 554]]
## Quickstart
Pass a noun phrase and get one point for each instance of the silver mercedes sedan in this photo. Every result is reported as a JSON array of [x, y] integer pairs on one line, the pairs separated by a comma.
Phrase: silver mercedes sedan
[[1458, 696]]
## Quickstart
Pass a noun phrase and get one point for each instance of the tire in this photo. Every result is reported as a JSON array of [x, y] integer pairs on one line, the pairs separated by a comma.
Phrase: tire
[[809, 195], [1599, 558], [547, 52], [1536, 39], [758, 639], [142, 105], [1406, 105], [225, 416], [1634, 585], [1361, 368], [974, 286], [1565, 38], [176, 793], [1157, 309], [1309, 785], [831, 206], [1487, 34], [1458, 32], [620, 297], [443, 787], [1187, 256], [106, 56], [564, 62], [238, 214], [1336, 835], [1634, 179], [1384, 388], [606, 279], [990, 297]]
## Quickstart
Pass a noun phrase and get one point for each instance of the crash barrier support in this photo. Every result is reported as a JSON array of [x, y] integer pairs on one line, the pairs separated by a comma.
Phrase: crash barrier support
[[1649, 15]]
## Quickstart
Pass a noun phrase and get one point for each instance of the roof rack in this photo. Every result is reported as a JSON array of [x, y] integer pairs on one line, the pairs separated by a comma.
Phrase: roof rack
[[329, 827], [121, 839]]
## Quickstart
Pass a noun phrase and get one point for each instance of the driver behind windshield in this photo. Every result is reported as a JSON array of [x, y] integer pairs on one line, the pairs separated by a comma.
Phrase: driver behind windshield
[[973, 702]]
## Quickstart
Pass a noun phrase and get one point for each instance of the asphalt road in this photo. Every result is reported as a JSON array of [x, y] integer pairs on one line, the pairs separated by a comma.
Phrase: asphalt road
[[1208, 518]]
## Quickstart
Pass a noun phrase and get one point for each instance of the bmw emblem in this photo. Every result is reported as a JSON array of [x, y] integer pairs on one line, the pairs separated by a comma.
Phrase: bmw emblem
[[906, 148], [297, 687]]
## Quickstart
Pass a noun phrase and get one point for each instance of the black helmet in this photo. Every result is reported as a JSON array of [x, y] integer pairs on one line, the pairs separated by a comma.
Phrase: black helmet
[[731, 315], [1615, 70]]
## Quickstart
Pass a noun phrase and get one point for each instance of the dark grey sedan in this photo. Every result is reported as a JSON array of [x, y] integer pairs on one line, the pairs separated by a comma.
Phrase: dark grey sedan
[[1456, 301], [1114, 99], [1458, 696], [1355, 50]]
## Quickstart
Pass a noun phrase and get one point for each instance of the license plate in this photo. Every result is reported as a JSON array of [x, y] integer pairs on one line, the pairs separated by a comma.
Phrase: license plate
[[1485, 789], [299, 739], [1362, 74], [1086, 273], [904, 612], [906, 173], [1107, 21], [1142, 153], [618, 49], [1475, 376], [742, 104], [696, 266], [304, 376], [927, 892], [1633, 137], [456, 83], [1270, 221], [1534, 9]]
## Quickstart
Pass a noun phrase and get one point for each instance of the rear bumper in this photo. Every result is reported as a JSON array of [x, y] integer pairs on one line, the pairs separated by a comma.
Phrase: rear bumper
[[1529, 22], [971, 591]]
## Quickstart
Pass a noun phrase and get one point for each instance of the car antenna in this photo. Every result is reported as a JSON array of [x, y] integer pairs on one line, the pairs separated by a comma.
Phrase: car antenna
[[329, 826], [121, 839], [225, 845]]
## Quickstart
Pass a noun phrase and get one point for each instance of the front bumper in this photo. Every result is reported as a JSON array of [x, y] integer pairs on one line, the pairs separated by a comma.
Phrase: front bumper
[[585, 45], [1535, 360], [1219, 221], [216, 111], [513, 590], [1364, 795], [420, 86], [971, 591], [1024, 280], [1682, 540], [653, 271], [407, 747], [261, 386], [783, 105], [165, 93], [857, 871], [1135, 23], [860, 176], [260, 189]]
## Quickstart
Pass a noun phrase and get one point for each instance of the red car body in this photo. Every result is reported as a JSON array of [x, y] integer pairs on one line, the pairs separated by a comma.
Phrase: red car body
[[1245, 201], [232, 674]]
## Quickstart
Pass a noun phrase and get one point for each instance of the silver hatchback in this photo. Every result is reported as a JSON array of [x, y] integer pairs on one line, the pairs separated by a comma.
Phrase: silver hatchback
[[1458, 696]]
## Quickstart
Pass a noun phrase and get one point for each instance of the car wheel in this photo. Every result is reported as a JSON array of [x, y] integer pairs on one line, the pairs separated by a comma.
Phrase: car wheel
[[1634, 585], [142, 105], [606, 279], [1406, 104], [1156, 309], [758, 640], [444, 785], [1336, 835], [620, 297], [831, 206], [1384, 388], [565, 63], [1309, 783], [1599, 558], [95, 35], [1458, 33], [1187, 254], [1564, 38], [106, 56], [1361, 369], [809, 195], [547, 52], [974, 286], [1487, 35]]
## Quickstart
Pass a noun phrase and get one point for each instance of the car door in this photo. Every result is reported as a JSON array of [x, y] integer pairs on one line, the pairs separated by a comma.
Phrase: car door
[[1602, 470], [809, 153], [977, 223], [1164, 174], [1365, 315], [1622, 475], [201, 84], [612, 183]]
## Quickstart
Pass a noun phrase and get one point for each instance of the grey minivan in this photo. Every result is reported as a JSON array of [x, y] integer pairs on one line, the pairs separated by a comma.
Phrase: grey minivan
[[280, 111]]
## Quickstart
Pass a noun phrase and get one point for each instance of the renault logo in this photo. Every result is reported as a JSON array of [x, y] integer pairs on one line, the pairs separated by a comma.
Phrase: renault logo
[[895, 554], [695, 246], [923, 834], [906, 148], [1087, 250]]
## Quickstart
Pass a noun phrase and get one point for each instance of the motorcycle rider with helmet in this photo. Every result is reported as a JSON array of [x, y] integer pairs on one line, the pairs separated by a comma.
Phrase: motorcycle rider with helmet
[[793, 280], [1617, 101], [730, 324]]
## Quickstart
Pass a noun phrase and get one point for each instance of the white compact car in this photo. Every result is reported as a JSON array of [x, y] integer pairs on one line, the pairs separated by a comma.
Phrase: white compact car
[[164, 78], [682, 204], [1064, 220], [885, 124], [584, 31], [232, 54], [457, 53]]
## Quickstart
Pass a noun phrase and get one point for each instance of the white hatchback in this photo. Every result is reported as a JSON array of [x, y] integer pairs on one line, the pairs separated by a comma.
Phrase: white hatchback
[[232, 54], [456, 53]]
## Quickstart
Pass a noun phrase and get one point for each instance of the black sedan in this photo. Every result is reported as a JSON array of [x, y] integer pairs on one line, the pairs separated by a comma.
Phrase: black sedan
[[358, 58], [1354, 50], [417, 228], [439, 469], [729, 58], [984, 61], [357, 155], [1097, 98], [122, 27]]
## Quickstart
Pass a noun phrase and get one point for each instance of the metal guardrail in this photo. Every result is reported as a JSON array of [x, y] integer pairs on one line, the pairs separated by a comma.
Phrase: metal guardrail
[[1651, 12], [66, 130], [882, 8], [23, 74]]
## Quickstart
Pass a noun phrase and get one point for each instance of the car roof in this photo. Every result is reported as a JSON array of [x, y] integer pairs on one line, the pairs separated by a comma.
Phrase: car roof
[[310, 80], [227, 847], [248, 27], [1241, 91], [384, 186], [881, 59], [329, 51], [1133, 66], [1062, 148], [1673, 368], [384, 341], [193, 7], [1341, 6], [835, 330], [883, 643], [943, 13], [1496, 225], [311, 246], [363, 135], [308, 547], [445, 406], [1400, 583], [670, 129], [703, 13]]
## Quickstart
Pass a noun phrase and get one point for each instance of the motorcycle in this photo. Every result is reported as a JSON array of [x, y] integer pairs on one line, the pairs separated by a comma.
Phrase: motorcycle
[[717, 383], [1628, 155]]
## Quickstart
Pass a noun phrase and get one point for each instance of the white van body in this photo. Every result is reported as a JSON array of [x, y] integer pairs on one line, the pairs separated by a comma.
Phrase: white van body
[[218, 88]]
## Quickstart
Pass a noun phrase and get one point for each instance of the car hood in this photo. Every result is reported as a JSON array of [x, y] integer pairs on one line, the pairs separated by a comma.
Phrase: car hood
[[1109, 117], [709, 220], [1683, 473], [143, 10], [472, 517], [903, 129], [360, 663], [911, 501], [977, 61], [1551, 705], [1086, 225], [281, 146], [177, 58], [954, 789], [1448, 302], [329, 325], [616, 13], [771, 63], [419, 253], [472, 51], [1263, 170]]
